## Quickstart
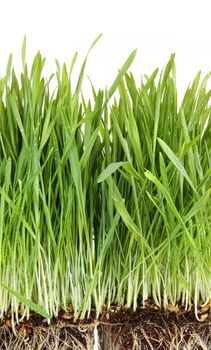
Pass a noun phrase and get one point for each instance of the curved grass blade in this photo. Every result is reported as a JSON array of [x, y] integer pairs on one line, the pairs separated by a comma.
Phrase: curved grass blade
[[109, 170], [171, 205], [121, 74], [176, 161], [33, 306]]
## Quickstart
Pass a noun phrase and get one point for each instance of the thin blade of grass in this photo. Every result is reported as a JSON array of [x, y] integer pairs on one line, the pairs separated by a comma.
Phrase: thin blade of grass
[[176, 161], [33, 306], [121, 73]]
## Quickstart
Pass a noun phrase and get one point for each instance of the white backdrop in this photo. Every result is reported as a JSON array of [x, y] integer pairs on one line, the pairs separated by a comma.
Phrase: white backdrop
[[156, 28]]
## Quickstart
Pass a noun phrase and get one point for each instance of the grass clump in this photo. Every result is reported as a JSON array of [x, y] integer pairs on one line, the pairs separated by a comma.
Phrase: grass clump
[[103, 202]]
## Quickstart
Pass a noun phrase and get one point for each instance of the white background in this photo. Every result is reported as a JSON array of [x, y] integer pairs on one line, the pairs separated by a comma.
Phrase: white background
[[156, 28]]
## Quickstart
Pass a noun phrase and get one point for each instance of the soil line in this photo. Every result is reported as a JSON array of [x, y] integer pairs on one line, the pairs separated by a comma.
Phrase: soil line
[[116, 329]]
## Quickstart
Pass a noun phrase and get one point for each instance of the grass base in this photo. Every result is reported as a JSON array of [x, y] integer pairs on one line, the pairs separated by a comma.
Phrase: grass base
[[118, 329]]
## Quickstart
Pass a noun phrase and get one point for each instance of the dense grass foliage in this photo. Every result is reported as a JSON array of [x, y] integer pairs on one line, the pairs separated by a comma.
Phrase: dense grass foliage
[[105, 201]]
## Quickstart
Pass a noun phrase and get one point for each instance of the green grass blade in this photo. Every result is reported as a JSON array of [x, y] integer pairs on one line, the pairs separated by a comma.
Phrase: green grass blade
[[176, 161], [33, 306], [23, 52], [109, 170], [121, 74]]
